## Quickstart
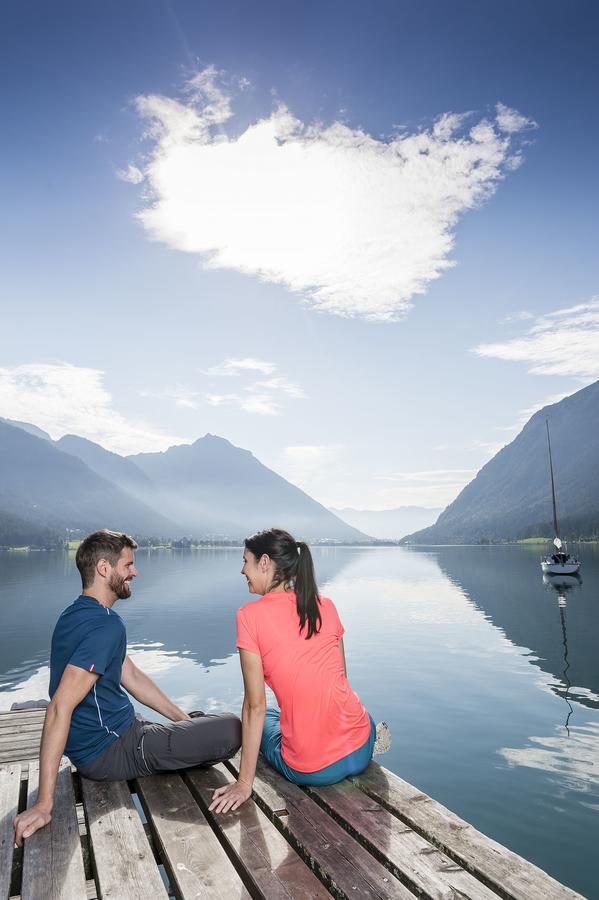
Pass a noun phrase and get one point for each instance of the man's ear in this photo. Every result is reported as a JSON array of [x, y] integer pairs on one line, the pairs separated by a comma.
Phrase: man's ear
[[102, 568]]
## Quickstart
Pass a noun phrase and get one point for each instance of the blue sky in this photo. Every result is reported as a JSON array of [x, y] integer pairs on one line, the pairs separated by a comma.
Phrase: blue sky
[[357, 239]]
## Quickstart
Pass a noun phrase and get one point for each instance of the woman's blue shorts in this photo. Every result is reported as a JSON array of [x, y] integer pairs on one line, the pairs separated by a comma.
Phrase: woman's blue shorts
[[352, 764]]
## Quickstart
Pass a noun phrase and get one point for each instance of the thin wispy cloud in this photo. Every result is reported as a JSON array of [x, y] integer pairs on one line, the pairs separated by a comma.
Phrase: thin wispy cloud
[[564, 342], [258, 395], [181, 396], [261, 404], [429, 475], [428, 487], [355, 225], [63, 399], [131, 174], [522, 316], [247, 364]]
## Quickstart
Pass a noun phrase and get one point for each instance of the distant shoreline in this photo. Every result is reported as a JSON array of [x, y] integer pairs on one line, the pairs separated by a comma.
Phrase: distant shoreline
[[71, 546]]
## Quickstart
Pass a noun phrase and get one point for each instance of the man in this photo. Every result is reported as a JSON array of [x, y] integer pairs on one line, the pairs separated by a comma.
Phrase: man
[[90, 717]]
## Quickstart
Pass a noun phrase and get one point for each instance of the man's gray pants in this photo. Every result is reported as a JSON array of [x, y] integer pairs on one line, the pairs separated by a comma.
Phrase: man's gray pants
[[148, 748]]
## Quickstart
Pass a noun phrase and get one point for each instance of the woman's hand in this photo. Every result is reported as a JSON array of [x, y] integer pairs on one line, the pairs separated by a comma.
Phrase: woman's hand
[[230, 797]]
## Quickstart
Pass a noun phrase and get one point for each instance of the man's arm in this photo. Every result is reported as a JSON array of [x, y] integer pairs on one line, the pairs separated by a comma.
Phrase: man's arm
[[147, 692], [74, 685]]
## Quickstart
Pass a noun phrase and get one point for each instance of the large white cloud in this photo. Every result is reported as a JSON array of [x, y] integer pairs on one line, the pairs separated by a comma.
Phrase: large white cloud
[[564, 342], [62, 399], [357, 226]]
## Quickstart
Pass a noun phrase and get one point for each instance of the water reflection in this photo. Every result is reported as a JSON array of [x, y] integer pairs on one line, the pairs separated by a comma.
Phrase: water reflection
[[185, 600], [464, 651], [572, 759], [505, 583], [561, 585]]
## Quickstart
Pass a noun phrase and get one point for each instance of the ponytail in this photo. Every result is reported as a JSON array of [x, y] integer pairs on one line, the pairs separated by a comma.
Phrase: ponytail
[[306, 591], [294, 568]]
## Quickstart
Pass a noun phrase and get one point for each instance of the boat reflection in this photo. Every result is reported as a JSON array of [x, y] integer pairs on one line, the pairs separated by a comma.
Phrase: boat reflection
[[560, 585], [498, 581]]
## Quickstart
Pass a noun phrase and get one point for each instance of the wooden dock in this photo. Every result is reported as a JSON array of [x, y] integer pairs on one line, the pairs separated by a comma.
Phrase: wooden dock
[[375, 836]]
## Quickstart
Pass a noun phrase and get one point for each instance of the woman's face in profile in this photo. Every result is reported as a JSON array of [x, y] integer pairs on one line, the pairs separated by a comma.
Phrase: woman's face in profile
[[256, 575]]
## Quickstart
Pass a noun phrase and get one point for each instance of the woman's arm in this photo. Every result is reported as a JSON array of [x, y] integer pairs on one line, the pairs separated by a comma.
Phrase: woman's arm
[[342, 649], [252, 717]]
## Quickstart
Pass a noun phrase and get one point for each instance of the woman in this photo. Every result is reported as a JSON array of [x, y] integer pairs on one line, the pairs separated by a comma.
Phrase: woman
[[292, 639]]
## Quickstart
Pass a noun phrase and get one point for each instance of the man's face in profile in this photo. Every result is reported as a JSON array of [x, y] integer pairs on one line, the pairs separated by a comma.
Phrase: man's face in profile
[[123, 574]]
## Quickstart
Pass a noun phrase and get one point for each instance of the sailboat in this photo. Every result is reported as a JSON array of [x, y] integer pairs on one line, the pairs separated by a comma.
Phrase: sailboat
[[560, 562]]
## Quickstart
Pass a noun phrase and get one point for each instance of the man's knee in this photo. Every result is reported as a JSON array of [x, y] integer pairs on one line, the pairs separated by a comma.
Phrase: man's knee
[[218, 735], [231, 732]]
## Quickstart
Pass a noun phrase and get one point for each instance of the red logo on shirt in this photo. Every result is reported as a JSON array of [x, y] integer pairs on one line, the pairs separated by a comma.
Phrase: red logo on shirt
[[92, 667]]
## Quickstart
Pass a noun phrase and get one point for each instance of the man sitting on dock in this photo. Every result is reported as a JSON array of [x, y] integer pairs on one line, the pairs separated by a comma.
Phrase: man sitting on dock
[[90, 717]]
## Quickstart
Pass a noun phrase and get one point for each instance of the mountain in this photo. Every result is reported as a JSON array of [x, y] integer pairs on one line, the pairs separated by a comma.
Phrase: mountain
[[388, 524], [118, 469], [510, 498], [215, 488], [43, 485], [28, 427], [16, 531]]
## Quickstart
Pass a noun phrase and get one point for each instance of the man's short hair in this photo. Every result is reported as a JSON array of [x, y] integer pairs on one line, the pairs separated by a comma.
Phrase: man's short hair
[[102, 544]]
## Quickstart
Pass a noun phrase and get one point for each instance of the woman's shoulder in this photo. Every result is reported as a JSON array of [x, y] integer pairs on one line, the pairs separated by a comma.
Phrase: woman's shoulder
[[327, 606], [250, 608]]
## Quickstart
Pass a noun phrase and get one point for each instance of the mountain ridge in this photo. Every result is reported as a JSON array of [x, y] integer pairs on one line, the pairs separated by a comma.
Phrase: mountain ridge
[[388, 524], [510, 497], [209, 489]]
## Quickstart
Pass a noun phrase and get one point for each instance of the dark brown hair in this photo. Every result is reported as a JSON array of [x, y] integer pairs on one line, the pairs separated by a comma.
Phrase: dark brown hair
[[100, 545], [293, 565]]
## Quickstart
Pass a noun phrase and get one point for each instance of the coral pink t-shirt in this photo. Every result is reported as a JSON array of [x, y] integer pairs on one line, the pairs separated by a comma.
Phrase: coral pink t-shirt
[[322, 719]]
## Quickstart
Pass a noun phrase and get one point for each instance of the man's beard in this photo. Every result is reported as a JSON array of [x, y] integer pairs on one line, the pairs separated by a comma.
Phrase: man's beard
[[120, 586]]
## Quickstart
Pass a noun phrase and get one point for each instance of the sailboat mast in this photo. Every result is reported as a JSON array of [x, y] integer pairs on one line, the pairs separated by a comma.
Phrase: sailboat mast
[[556, 529]]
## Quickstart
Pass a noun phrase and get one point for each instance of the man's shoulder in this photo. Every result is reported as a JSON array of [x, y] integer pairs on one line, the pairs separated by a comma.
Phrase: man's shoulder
[[90, 616]]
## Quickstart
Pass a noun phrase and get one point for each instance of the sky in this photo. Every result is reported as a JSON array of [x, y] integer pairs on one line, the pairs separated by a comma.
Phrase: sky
[[358, 240]]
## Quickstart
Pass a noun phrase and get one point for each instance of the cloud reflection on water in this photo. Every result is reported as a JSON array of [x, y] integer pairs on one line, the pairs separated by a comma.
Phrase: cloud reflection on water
[[573, 760], [181, 676]]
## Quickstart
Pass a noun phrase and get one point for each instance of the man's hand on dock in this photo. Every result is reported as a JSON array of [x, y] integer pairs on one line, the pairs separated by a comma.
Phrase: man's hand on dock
[[30, 821]]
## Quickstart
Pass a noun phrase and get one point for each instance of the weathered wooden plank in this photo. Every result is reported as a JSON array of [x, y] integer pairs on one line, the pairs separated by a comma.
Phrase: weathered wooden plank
[[91, 891], [20, 727], [275, 869], [193, 857], [17, 754], [52, 859], [22, 715], [15, 741], [122, 857], [506, 872], [420, 865], [345, 866], [10, 785]]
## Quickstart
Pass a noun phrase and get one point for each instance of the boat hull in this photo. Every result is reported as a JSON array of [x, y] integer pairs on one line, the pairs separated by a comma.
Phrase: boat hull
[[551, 568]]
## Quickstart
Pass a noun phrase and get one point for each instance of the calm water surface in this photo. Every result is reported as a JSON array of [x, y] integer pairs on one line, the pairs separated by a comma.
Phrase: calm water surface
[[491, 688]]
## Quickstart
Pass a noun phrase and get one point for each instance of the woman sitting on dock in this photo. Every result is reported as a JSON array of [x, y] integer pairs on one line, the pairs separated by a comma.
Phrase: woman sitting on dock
[[292, 639]]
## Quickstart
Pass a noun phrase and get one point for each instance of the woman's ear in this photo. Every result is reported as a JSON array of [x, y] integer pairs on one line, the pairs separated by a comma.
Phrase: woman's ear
[[264, 561]]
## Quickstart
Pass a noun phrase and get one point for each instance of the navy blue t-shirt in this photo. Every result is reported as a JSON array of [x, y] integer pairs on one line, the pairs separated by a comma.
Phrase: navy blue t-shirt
[[92, 637]]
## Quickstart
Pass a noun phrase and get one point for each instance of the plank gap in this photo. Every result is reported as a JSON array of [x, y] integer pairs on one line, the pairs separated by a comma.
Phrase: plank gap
[[235, 860], [296, 845], [366, 843], [16, 875], [23, 792]]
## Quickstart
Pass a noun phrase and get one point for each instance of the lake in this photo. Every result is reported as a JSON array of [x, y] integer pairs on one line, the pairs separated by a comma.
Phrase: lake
[[490, 685]]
